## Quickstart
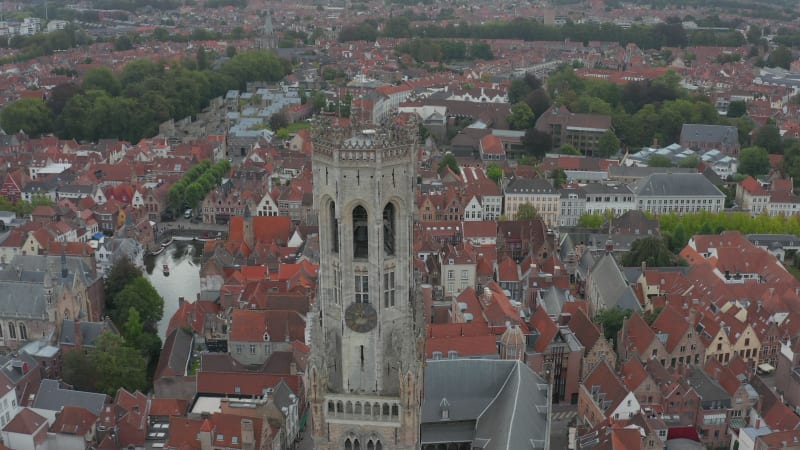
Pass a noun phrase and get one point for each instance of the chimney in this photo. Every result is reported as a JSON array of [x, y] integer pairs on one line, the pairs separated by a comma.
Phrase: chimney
[[293, 368], [248, 435], [644, 266], [180, 302], [78, 336], [556, 271]]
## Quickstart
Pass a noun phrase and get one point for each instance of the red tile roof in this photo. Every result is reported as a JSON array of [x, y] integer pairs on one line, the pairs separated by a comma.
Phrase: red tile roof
[[25, 422], [243, 383], [73, 420], [547, 329]]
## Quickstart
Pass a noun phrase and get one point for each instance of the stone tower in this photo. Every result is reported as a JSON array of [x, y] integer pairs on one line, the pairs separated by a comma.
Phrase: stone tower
[[365, 369]]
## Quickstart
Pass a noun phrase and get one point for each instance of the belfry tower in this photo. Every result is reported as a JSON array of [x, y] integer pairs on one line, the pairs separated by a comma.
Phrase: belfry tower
[[365, 370]]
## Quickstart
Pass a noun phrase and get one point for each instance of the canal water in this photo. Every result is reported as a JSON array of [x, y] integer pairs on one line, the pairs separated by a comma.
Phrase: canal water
[[183, 259]]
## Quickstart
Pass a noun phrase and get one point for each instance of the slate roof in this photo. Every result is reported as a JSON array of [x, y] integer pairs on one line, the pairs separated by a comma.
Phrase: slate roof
[[530, 186], [90, 331], [722, 134], [713, 395], [676, 184], [612, 288], [174, 358], [52, 397], [495, 404]]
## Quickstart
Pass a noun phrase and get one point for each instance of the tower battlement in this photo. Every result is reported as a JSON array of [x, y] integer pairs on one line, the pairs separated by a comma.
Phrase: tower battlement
[[359, 143]]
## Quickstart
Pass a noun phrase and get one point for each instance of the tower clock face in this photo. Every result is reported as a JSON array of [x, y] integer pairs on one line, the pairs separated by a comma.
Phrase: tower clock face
[[361, 317]]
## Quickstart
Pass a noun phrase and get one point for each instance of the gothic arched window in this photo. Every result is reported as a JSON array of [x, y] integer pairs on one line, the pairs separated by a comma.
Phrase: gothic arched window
[[360, 233], [334, 227], [356, 445], [12, 330], [348, 445], [389, 223], [23, 332]]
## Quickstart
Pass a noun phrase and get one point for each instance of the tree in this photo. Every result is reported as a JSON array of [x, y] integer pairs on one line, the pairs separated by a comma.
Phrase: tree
[[122, 273], [538, 101], [201, 58], [108, 366], [23, 208], [780, 57], [659, 161], [753, 161], [278, 121], [521, 117], [123, 43], [651, 316], [318, 101], [607, 145], [142, 296], [30, 115], [737, 108], [569, 149], [768, 137], [481, 50], [526, 211], [593, 221], [690, 162], [449, 161], [652, 250], [559, 178], [537, 143], [60, 95], [101, 78], [494, 173], [611, 321]]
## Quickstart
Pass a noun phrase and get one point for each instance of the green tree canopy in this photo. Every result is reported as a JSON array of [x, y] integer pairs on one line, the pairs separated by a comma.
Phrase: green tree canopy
[[569, 149], [653, 250], [480, 50], [537, 143], [690, 162], [768, 137], [611, 321], [737, 108], [521, 117], [753, 161], [608, 144], [559, 178], [122, 273], [592, 220], [449, 161], [140, 295], [659, 161], [108, 366], [30, 115], [526, 211], [780, 57], [494, 173], [101, 78]]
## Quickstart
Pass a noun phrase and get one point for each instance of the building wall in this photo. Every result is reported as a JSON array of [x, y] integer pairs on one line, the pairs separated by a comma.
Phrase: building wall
[[463, 277], [748, 346], [588, 412], [680, 205], [572, 208], [600, 351], [719, 348], [548, 206], [689, 349]]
